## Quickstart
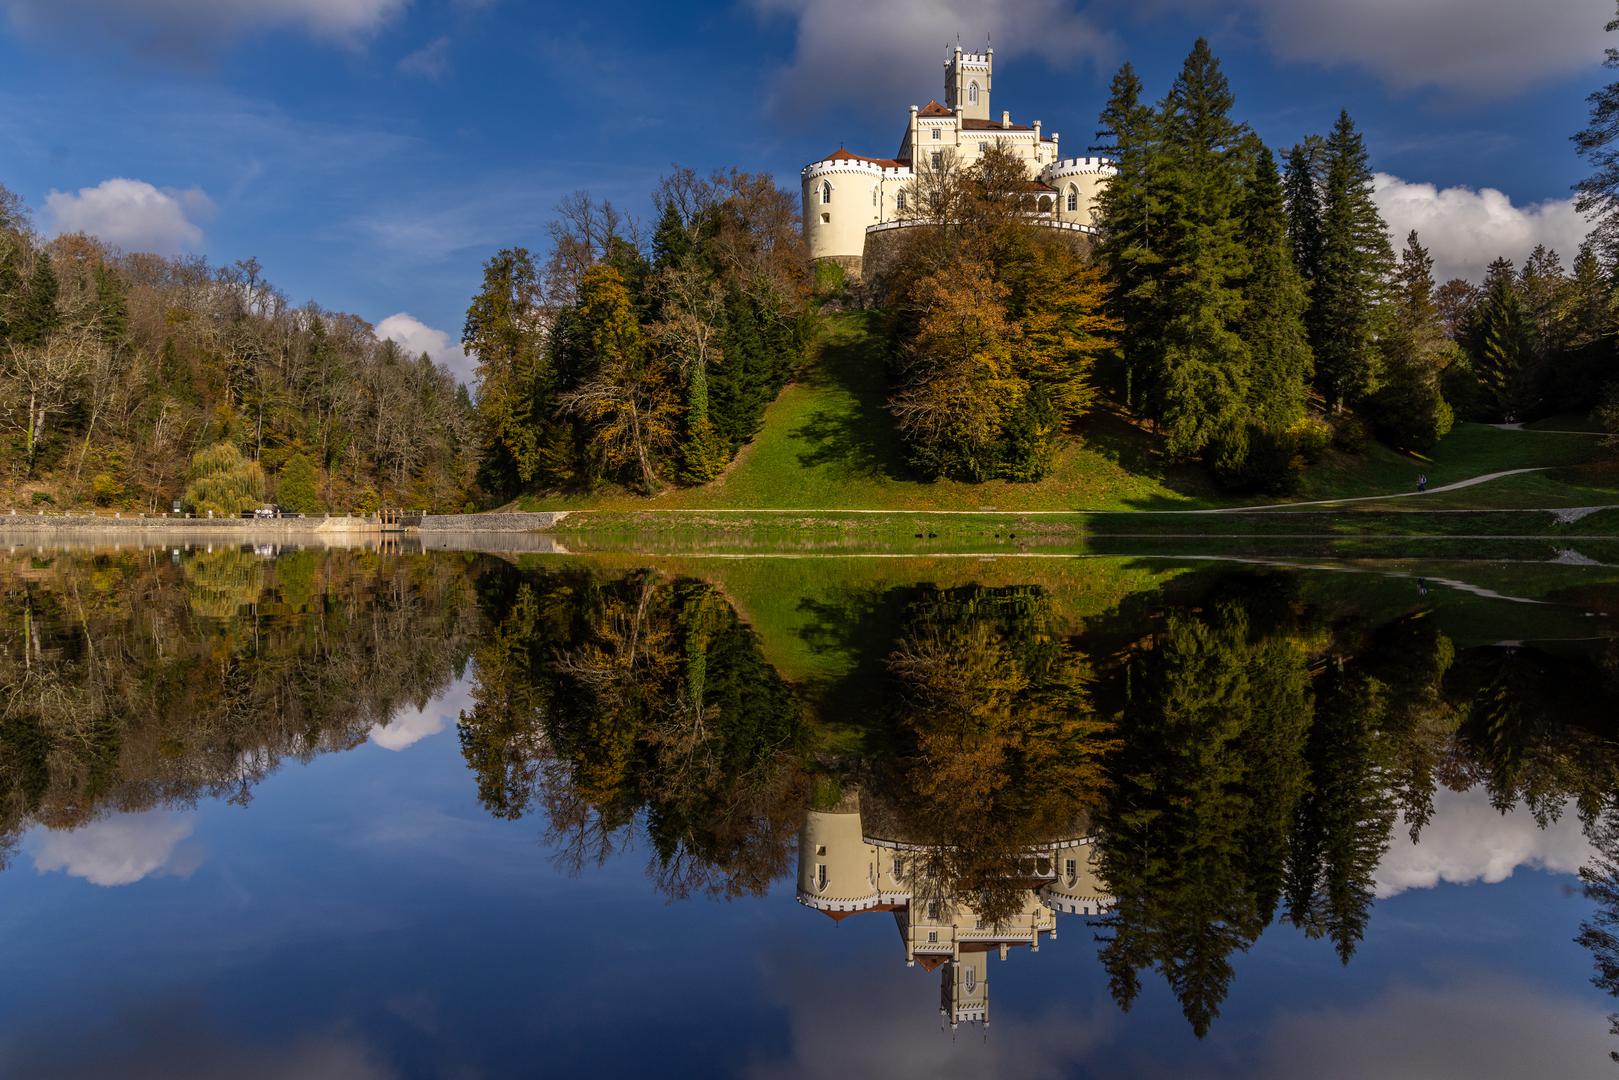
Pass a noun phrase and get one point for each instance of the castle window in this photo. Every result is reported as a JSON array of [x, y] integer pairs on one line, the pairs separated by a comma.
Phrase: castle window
[[1070, 867], [899, 201], [826, 192], [983, 148], [874, 196], [937, 160], [820, 876], [933, 909], [933, 937], [899, 866], [972, 980], [1073, 205], [938, 133], [972, 92], [826, 219]]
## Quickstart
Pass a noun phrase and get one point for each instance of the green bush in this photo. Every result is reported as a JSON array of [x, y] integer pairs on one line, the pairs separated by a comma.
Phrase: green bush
[[1349, 434], [104, 488], [42, 498], [829, 278], [221, 480], [1311, 437], [297, 486]]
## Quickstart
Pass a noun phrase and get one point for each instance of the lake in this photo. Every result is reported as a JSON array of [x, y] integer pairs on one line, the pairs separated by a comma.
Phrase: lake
[[390, 813]]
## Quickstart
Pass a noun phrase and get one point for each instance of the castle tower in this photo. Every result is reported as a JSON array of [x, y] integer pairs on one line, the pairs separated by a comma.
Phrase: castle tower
[[964, 989], [1077, 889], [966, 83], [837, 869]]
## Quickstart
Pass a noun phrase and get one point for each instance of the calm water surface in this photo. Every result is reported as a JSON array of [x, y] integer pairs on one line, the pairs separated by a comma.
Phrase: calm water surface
[[357, 814]]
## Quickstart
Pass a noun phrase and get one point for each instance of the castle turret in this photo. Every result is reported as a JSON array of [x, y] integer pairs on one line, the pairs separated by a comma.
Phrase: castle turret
[[1077, 888], [966, 83], [964, 989], [837, 869]]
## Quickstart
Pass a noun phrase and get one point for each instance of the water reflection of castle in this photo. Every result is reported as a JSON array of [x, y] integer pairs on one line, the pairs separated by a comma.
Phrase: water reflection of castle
[[845, 870]]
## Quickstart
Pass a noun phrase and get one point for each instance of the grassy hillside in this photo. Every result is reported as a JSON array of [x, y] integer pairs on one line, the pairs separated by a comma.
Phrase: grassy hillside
[[828, 443]]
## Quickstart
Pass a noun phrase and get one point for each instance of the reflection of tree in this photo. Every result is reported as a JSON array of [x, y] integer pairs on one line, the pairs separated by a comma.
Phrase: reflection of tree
[[118, 692], [632, 696], [1600, 933], [1195, 831], [996, 748]]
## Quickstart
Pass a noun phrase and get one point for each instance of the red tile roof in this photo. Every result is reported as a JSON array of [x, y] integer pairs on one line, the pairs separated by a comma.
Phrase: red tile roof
[[933, 108], [887, 163]]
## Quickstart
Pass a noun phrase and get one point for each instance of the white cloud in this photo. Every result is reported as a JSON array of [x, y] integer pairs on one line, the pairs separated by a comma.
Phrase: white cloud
[[858, 51], [409, 725], [1476, 49], [1468, 840], [132, 214], [189, 29], [429, 61], [121, 850], [1480, 1027], [416, 337], [1466, 228]]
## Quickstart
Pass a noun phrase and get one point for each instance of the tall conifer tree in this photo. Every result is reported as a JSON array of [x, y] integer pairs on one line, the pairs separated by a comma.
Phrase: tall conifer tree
[[1411, 412], [1280, 363], [1204, 362], [1347, 301], [1501, 343]]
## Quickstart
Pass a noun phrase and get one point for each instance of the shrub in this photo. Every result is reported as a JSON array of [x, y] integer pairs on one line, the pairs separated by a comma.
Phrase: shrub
[[223, 481], [1349, 435], [1311, 437], [42, 498], [297, 486], [1606, 414], [829, 278], [104, 488]]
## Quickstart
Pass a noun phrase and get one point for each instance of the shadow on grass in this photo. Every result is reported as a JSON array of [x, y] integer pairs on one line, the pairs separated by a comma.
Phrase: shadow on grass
[[1108, 433], [860, 439]]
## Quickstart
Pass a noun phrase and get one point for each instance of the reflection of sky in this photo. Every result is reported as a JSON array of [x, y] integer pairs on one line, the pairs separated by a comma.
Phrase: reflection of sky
[[363, 918]]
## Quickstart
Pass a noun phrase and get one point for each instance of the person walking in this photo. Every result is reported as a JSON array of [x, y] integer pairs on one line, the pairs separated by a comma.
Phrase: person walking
[[1422, 483]]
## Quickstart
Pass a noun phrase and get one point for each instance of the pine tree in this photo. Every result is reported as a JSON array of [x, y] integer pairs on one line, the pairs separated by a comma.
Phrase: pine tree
[[1590, 298], [1304, 179], [36, 316], [1204, 363], [1348, 296], [503, 329], [1411, 412], [1280, 363], [1128, 217], [1501, 343], [671, 242], [1598, 194]]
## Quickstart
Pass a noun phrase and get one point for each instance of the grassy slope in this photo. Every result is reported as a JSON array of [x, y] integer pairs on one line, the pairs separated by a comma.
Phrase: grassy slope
[[828, 443]]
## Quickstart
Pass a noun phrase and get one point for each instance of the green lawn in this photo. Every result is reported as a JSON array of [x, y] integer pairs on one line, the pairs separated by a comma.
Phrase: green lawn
[[828, 443]]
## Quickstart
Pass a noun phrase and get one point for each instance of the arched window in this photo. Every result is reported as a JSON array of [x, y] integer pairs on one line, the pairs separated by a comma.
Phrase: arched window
[[1073, 198], [826, 192], [972, 92], [899, 201], [1045, 204], [972, 980]]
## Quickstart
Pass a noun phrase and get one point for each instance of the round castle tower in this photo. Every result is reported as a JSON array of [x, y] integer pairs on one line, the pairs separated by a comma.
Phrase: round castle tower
[[1079, 183]]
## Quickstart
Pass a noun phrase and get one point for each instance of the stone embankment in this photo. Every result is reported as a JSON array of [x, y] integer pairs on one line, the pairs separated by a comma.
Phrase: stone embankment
[[269, 528]]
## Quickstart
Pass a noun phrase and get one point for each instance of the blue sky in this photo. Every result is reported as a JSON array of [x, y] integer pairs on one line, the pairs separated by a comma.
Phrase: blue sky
[[371, 153]]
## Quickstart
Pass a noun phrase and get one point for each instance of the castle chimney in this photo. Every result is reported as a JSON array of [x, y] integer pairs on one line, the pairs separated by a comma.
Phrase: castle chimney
[[1006, 119]]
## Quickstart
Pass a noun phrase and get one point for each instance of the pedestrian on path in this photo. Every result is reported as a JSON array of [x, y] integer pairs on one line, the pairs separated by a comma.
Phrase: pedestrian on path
[[1422, 483]]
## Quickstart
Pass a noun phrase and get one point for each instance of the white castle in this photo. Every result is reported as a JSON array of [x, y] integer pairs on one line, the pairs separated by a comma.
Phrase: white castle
[[844, 871], [849, 199]]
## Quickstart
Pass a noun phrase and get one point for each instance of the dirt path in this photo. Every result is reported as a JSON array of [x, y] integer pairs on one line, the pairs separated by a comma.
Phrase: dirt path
[[1457, 486]]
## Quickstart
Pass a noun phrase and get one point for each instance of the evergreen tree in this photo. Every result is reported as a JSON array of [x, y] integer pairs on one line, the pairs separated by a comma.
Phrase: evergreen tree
[[1346, 302], [1204, 363], [671, 242], [1128, 216], [1280, 363], [1590, 310], [1501, 344], [1598, 142], [1304, 179], [504, 330], [1411, 411], [35, 316]]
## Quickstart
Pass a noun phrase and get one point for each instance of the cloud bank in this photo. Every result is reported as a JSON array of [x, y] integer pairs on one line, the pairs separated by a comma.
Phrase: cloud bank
[[132, 214], [858, 51], [193, 29], [1468, 840], [1466, 228], [121, 850], [409, 726], [416, 337]]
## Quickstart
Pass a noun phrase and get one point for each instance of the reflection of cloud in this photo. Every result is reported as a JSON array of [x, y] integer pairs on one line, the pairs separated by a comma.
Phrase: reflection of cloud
[[890, 1028], [176, 1039], [1485, 1027], [409, 726], [121, 850], [1469, 840]]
